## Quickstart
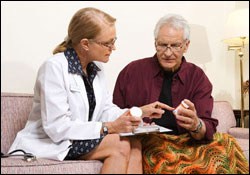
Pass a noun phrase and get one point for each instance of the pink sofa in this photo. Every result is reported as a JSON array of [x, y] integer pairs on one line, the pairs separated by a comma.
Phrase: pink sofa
[[15, 109], [223, 111]]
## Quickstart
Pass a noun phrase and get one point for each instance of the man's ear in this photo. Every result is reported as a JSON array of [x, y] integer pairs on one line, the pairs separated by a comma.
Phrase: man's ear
[[85, 44], [186, 46], [155, 44]]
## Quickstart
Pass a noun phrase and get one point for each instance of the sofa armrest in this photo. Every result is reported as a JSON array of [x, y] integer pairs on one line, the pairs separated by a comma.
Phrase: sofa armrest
[[239, 132]]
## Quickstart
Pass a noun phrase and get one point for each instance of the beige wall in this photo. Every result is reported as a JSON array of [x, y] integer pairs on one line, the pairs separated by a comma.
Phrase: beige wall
[[31, 30]]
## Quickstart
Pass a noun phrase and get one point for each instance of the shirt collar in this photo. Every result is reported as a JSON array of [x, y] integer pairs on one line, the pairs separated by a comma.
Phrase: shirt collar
[[158, 70], [181, 72], [75, 64]]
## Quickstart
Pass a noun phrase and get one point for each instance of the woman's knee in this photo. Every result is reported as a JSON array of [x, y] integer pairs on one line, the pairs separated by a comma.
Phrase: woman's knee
[[120, 146]]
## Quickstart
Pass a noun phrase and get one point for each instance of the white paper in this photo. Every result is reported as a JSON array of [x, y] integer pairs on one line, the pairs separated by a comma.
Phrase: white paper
[[146, 130]]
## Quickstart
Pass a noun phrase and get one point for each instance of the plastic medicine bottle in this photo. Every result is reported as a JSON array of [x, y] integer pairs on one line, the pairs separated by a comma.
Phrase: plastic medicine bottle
[[182, 105], [136, 112]]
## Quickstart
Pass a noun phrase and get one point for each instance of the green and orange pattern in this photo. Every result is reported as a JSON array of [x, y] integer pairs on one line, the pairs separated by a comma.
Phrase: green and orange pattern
[[169, 154]]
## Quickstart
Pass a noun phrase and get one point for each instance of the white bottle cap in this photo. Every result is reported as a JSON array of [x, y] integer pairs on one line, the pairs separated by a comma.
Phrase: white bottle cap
[[136, 112], [184, 104]]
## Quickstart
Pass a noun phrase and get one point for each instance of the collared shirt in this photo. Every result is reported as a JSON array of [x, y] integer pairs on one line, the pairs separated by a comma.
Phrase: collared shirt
[[76, 67], [140, 83], [167, 120]]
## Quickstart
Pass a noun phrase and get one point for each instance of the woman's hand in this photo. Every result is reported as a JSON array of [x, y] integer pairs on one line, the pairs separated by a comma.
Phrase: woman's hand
[[125, 123], [148, 124], [154, 110]]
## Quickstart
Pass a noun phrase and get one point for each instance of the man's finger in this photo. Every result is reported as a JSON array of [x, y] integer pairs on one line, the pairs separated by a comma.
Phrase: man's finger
[[190, 104]]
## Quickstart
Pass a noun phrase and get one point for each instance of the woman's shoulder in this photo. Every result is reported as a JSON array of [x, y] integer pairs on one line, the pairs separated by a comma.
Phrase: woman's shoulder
[[57, 61], [57, 58]]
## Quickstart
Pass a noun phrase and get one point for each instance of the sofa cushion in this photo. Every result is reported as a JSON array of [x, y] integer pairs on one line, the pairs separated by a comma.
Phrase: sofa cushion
[[223, 112], [15, 109], [41, 166], [237, 132]]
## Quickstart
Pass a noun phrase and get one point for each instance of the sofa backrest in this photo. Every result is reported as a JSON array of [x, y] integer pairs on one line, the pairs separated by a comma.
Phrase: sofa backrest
[[223, 112], [15, 109]]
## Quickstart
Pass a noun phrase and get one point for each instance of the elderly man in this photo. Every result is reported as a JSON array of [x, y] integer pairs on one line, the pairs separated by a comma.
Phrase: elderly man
[[169, 78]]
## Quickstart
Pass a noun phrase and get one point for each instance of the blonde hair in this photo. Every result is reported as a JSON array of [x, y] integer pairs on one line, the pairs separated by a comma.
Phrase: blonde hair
[[86, 23]]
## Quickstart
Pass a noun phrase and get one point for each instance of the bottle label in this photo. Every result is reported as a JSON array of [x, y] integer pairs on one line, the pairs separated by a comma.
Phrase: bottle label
[[182, 105]]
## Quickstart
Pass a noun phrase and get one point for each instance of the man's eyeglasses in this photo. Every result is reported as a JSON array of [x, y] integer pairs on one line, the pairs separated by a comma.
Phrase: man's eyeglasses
[[109, 44], [176, 47]]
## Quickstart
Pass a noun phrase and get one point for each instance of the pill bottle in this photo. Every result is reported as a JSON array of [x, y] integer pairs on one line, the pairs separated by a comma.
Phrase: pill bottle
[[136, 112], [182, 105]]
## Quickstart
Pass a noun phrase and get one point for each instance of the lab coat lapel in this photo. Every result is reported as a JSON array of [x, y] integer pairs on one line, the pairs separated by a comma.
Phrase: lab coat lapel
[[98, 97], [81, 87]]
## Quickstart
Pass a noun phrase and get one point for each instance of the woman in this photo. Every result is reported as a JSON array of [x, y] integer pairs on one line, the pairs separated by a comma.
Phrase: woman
[[73, 116]]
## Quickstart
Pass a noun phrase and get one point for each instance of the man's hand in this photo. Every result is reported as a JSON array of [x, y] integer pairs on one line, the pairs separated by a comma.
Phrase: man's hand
[[188, 119]]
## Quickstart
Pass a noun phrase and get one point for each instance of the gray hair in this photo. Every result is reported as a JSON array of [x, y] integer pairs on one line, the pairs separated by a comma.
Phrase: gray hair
[[175, 21]]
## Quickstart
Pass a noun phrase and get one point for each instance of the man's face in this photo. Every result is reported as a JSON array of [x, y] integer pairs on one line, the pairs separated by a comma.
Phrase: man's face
[[170, 58]]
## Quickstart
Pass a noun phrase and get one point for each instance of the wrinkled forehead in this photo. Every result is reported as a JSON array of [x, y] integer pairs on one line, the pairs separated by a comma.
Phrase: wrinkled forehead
[[170, 34]]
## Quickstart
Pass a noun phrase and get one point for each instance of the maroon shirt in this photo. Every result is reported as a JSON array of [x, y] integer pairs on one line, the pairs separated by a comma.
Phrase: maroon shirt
[[140, 83]]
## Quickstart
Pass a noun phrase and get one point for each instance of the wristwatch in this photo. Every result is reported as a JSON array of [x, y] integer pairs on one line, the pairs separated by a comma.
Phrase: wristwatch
[[198, 128], [104, 128]]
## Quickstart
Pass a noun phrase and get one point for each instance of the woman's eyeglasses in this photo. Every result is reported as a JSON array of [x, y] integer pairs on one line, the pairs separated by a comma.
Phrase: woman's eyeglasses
[[109, 44]]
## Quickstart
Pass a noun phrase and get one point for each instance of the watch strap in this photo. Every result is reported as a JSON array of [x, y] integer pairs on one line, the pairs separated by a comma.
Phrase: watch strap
[[198, 128], [104, 128]]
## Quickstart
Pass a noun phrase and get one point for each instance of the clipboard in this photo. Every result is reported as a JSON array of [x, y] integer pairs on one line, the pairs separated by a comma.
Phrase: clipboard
[[147, 130]]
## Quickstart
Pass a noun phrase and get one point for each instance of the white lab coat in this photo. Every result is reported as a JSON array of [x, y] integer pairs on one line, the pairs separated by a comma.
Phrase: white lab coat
[[60, 111]]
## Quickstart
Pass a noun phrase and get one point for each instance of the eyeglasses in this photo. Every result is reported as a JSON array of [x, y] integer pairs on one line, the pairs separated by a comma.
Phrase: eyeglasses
[[176, 47], [106, 44]]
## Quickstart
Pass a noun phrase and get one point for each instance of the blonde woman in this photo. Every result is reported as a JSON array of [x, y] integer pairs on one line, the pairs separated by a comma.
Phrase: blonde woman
[[73, 116]]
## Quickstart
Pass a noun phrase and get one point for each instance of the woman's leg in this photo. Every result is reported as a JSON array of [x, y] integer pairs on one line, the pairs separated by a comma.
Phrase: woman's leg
[[135, 161], [114, 151]]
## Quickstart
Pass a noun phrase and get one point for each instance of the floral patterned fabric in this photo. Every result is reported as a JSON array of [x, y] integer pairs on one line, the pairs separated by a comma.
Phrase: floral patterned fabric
[[170, 154]]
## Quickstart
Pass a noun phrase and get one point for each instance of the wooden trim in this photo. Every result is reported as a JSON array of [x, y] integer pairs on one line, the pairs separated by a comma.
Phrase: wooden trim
[[237, 115]]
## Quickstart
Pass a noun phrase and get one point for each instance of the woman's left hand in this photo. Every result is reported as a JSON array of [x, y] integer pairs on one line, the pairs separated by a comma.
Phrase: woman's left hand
[[154, 110]]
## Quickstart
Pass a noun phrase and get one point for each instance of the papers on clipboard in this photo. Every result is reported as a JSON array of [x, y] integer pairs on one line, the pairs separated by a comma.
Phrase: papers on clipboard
[[146, 130]]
